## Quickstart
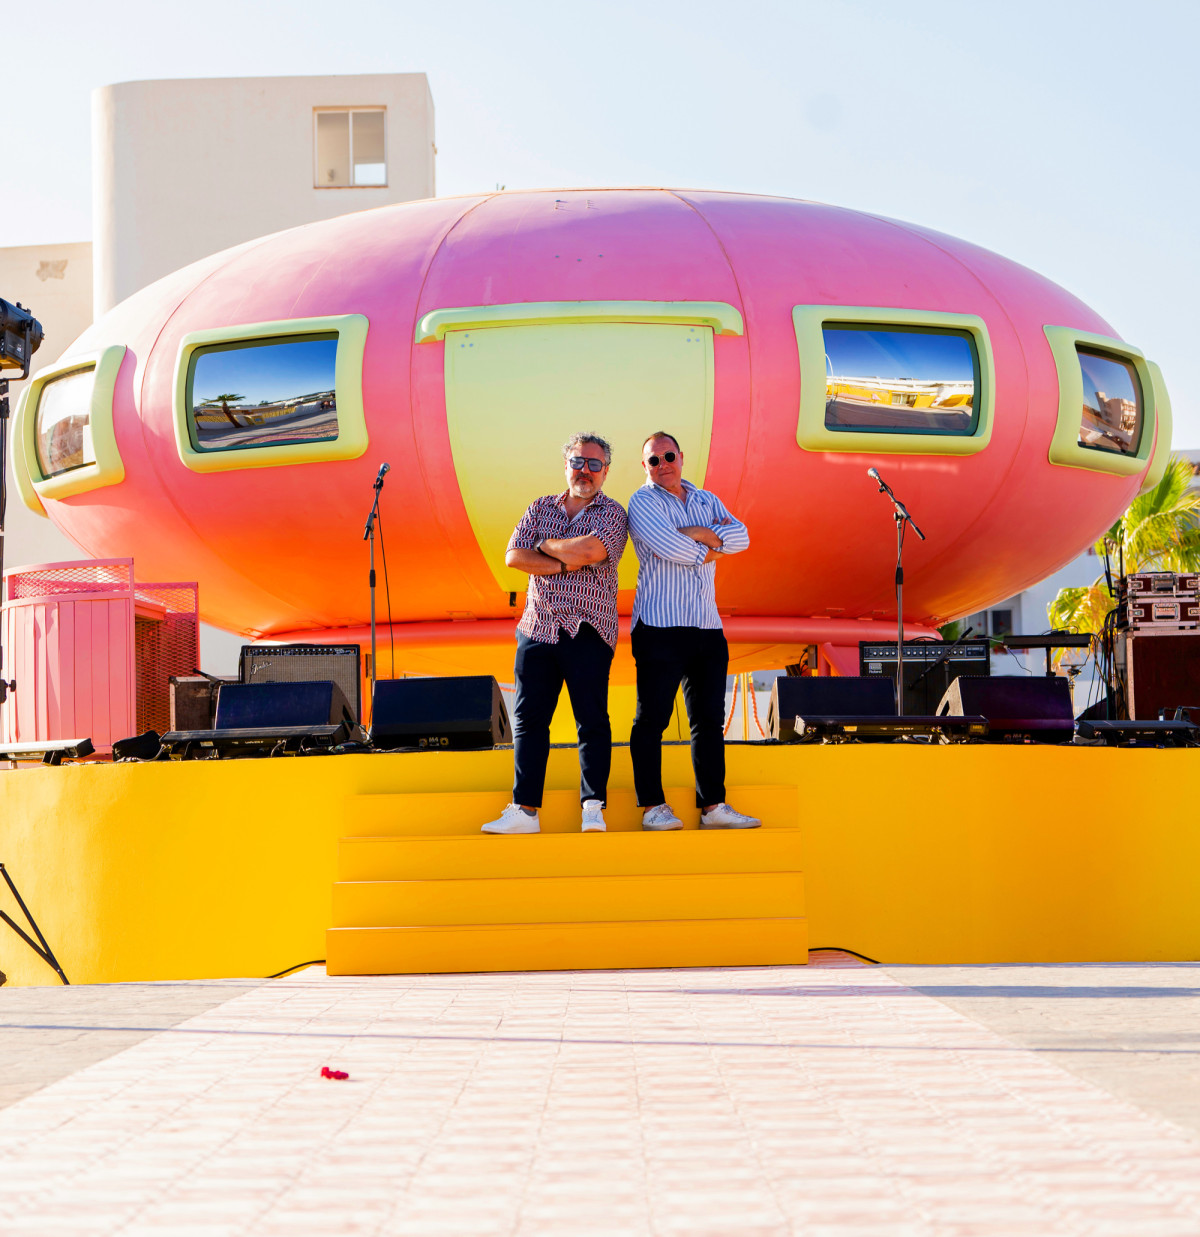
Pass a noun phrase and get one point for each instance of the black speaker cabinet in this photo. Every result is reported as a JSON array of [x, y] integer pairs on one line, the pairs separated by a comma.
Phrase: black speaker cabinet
[[1019, 708], [827, 696], [459, 712], [261, 706], [1161, 671]]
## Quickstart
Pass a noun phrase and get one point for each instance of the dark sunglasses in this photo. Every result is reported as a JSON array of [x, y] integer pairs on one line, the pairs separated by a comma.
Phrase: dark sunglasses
[[580, 462], [668, 457]]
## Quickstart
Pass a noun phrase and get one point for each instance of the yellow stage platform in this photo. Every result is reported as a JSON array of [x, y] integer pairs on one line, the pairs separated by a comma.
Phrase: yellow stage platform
[[421, 889], [908, 854]]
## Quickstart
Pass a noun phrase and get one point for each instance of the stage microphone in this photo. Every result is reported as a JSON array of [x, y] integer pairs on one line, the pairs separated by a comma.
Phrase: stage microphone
[[873, 473], [384, 469]]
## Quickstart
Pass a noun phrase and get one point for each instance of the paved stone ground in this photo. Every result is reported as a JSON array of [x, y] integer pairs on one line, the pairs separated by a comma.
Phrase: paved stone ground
[[1132, 1029], [829, 1101], [49, 1033]]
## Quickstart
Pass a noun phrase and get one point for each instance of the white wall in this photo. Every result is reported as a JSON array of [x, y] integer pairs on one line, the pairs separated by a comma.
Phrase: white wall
[[183, 169]]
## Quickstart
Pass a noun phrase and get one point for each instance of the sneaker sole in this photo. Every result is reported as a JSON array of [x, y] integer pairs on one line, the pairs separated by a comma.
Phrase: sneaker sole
[[756, 825], [668, 828], [594, 829], [514, 832]]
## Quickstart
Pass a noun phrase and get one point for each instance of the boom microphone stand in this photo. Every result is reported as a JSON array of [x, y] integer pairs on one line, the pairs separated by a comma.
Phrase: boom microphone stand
[[902, 519], [369, 535]]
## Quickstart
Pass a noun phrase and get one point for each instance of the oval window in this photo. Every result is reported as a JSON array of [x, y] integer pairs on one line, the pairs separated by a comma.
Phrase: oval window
[[899, 380], [1111, 418], [264, 393], [62, 425]]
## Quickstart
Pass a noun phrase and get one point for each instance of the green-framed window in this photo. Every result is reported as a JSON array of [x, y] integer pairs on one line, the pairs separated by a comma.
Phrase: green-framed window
[[1113, 412], [63, 432], [893, 381], [271, 393]]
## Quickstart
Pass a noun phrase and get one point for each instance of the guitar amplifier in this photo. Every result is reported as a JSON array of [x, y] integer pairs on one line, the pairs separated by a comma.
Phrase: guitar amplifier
[[929, 667], [305, 663]]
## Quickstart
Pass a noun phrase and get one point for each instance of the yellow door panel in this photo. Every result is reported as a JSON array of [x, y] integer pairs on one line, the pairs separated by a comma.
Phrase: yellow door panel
[[514, 394]]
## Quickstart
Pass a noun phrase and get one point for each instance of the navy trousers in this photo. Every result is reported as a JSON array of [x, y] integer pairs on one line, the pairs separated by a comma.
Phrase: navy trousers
[[697, 657], [582, 662]]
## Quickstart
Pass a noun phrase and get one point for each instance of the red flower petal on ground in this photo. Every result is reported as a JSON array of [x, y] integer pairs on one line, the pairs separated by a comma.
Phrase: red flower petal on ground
[[339, 1074]]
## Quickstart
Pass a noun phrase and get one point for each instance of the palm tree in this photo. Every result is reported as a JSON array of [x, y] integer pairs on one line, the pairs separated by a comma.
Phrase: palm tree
[[224, 401], [1159, 532]]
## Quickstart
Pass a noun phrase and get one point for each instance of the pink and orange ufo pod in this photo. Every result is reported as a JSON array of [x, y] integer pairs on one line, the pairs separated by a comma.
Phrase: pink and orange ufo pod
[[789, 346]]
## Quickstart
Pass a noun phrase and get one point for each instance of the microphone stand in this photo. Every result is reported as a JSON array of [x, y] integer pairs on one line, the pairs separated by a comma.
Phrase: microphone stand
[[369, 535], [902, 518]]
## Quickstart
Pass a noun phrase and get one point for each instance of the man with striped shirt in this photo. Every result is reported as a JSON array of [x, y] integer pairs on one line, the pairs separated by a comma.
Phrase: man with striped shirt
[[680, 531], [569, 544]]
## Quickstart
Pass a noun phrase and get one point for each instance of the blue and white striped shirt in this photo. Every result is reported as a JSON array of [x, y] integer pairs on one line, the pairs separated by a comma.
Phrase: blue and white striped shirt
[[675, 586]]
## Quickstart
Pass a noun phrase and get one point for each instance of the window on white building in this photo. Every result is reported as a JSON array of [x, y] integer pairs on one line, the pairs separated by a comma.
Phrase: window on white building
[[348, 147]]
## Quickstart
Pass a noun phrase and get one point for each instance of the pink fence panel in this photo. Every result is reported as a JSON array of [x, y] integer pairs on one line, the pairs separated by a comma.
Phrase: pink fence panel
[[68, 632]]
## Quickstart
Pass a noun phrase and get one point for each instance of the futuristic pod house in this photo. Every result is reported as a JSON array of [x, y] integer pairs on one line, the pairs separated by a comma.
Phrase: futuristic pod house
[[225, 424]]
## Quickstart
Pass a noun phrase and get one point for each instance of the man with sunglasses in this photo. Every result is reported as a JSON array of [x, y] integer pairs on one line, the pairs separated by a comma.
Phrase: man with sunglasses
[[679, 532], [569, 544]]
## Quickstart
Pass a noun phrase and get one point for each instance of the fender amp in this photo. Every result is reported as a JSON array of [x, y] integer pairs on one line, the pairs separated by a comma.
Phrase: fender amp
[[305, 663], [929, 668]]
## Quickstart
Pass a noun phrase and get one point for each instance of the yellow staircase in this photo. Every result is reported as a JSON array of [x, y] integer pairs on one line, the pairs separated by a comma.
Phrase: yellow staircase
[[420, 889]]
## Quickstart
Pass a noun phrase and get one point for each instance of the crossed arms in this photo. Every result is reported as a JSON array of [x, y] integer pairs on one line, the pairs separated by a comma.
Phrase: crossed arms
[[556, 554], [693, 545], [536, 555]]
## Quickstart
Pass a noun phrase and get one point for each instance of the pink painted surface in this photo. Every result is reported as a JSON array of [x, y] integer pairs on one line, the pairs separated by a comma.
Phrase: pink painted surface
[[68, 630], [279, 550], [72, 633]]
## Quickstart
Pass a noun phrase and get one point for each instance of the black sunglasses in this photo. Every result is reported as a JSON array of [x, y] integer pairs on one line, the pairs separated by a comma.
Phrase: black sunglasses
[[580, 462], [668, 456]]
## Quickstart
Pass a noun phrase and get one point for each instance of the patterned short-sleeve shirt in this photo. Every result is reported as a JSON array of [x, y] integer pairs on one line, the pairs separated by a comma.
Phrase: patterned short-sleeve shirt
[[565, 601]]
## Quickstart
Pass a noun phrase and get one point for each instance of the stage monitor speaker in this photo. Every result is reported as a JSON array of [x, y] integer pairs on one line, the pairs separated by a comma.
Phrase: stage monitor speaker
[[930, 666], [827, 696], [1019, 708], [459, 712], [1161, 671], [261, 706], [305, 663]]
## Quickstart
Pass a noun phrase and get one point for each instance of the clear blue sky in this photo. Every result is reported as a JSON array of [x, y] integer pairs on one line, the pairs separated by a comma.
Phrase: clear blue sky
[[265, 375], [1059, 133]]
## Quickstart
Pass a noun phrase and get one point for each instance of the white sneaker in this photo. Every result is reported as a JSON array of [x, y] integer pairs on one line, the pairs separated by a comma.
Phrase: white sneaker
[[660, 817], [593, 816], [514, 820], [724, 817]]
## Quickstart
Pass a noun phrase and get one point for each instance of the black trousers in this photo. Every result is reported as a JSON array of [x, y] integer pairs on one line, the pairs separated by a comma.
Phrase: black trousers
[[583, 663], [699, 659]]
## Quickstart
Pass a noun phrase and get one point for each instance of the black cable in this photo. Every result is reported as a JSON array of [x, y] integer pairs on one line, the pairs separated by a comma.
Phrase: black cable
[[841, 949], [287, 970], [387, 592]]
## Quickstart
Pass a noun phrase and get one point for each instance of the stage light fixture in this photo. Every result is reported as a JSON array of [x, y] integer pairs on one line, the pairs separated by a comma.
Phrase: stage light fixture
[[20, 336], [48, 751]]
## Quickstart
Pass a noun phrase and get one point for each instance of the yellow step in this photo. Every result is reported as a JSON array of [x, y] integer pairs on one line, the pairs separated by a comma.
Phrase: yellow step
[[463, 812], [537, 900], [683, 852], [566, 946]]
